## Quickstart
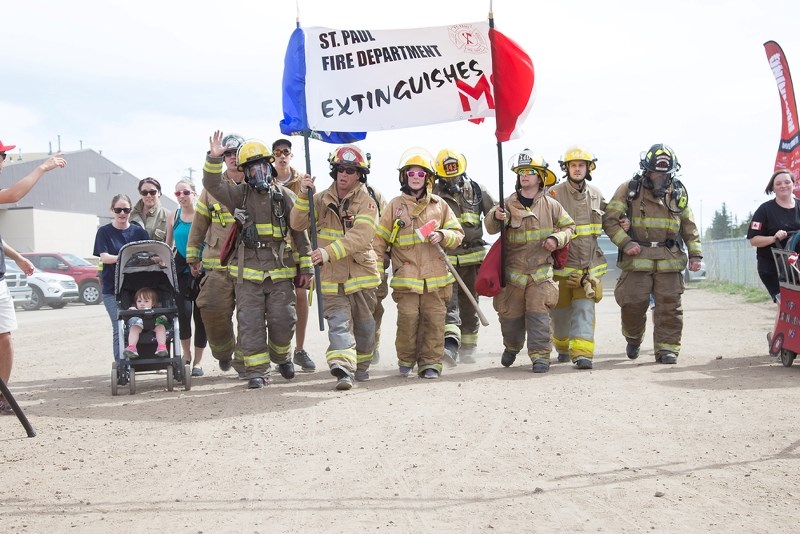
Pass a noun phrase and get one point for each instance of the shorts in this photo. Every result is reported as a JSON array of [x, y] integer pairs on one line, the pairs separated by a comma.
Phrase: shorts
[[8, 318], [137, 321]]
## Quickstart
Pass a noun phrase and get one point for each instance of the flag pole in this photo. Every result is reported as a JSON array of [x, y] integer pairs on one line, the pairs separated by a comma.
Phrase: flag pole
[[312, 215], [499, 168]]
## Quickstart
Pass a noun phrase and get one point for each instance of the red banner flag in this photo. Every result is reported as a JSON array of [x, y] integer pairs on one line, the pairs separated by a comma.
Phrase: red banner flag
[[513, 79], [789, 148]]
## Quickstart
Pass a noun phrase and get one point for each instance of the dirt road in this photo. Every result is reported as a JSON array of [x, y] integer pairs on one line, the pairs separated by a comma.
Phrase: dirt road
[[708, 445]]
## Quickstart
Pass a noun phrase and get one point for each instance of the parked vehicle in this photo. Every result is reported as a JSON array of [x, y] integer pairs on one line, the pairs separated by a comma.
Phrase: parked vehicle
[[82, 271], [49, 289], [17, 284]]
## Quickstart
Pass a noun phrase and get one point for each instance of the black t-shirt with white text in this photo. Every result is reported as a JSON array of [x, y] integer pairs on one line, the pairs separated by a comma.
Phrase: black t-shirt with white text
[[766, 221]]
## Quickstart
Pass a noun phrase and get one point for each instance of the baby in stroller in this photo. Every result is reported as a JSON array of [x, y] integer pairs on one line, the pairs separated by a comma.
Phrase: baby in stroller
[[146, 298]]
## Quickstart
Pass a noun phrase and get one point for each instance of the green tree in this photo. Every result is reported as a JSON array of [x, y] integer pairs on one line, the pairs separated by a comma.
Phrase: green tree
[[721, 225], [741, 230]]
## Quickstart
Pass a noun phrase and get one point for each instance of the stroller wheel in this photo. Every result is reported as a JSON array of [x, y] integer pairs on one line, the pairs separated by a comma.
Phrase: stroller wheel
[[170, 379], [787, 357], [132, 381], [187, 377], [114, 379]]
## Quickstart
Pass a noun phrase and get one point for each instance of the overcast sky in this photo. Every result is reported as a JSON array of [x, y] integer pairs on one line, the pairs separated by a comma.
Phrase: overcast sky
[[146, 82]]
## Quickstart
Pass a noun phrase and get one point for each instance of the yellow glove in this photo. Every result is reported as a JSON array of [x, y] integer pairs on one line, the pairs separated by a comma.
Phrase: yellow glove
[[574, 279]]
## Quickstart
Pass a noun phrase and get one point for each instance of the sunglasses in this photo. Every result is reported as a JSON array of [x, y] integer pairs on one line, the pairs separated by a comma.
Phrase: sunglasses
[[229, 153], [285, 152], [525, 172], [3, 155], [347, 170], [419, 174], [185, 193], [151, 192], [121, 210]]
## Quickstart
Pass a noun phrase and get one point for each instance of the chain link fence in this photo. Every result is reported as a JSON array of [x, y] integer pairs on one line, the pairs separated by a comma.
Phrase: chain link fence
[[731, 260]]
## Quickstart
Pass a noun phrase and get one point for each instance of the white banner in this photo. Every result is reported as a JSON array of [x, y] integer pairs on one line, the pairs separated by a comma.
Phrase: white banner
[[367, 80]]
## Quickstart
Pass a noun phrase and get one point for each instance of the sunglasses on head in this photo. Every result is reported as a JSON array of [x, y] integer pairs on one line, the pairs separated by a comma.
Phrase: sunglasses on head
[[347, 170], [185, 193], [419, 174], [121, 210], [151, 192], [281, 152]]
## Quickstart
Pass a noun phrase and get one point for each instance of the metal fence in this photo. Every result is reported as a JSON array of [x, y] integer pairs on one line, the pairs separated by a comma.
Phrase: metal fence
[[731, 260]]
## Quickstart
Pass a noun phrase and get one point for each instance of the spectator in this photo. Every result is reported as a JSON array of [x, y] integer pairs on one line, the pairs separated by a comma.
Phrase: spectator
[[148, 212]]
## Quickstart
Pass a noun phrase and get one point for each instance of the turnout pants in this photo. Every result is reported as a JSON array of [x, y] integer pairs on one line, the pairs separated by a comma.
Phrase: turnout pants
[[462, 321], [420, 328], [573, 319], [351, 329], [217, 302], [381, 292], [633, 296], [526, 311], [255, 302]]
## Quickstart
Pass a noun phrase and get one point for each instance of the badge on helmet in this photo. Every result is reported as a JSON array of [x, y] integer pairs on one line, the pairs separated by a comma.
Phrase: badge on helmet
[[449, 163], [232, 142], [349, 156], [660, 158]]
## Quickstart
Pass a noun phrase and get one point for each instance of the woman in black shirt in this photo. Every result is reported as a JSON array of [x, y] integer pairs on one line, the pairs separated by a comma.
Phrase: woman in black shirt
[[770, 227]]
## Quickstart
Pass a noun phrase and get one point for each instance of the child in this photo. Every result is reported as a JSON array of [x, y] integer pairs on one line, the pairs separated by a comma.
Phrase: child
[[146, 299]]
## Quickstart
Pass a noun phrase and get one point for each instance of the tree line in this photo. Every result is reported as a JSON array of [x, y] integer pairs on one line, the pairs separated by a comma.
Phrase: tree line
[[725, 225]]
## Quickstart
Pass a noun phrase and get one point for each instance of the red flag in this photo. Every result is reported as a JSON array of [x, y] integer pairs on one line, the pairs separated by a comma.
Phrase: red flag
[[513, 85], [789, 148]]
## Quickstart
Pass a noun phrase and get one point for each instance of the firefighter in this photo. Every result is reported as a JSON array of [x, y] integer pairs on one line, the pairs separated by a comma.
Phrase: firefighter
[[290, 177], [346, 217], [470, 201], [536, 226], [579, 287], [216, 300], [421, 282], [653, 258], [261, 265]]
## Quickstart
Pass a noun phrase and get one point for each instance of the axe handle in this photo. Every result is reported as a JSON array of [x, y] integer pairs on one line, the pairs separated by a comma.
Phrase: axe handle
[[481, 316]]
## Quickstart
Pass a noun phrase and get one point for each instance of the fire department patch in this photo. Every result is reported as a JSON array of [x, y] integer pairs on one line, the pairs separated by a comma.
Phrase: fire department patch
[[755, 225]]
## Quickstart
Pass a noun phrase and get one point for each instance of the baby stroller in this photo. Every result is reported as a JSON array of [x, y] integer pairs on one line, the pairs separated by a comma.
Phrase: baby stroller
[[148, 264], [785, 340]]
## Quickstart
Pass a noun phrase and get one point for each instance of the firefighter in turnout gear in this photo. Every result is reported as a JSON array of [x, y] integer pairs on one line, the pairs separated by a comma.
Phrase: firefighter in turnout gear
[[470, 202], [217, 300], [346, 217], [579, 287], [536, 225], [421, 282], [653, 257], [261, 265]]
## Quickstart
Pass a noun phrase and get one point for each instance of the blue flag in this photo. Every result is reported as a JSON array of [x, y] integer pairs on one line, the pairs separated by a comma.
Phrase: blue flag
[[295, 118]]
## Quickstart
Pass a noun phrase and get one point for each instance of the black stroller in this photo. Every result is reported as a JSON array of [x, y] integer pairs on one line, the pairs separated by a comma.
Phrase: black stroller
[[148, 264]]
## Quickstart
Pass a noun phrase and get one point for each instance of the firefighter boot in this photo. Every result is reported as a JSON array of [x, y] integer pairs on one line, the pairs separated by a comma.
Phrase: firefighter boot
[[540, 365], [667, 357], [450, 352], [343, 379], [286, 370], [508, 357], [632, 351]]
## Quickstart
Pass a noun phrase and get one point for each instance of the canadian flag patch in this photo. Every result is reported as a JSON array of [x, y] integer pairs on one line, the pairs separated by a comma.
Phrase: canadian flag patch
[[755, 225]]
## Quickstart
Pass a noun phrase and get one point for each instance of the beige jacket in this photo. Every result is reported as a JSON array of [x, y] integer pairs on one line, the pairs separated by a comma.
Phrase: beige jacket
[[586, 209]]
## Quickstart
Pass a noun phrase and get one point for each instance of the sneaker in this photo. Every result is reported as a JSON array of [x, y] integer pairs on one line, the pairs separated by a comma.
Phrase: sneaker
[[667, 357], [508, 357], [305, 362], [632, 351], [161, 351], [583, 363], [405, 370], [540, 365], [562, 357], [197, 371], [430, 373], [130, 352], [362, 376], [5, 407], [344, 383], [257, 382], [450, 356], [286, 370], [224, 365]]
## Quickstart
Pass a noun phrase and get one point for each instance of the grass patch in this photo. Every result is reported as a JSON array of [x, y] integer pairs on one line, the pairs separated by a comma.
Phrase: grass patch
[[748, 293]]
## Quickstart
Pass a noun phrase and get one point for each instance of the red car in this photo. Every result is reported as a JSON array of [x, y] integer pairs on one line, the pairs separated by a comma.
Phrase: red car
[[84, 272]]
